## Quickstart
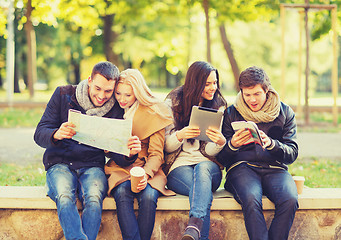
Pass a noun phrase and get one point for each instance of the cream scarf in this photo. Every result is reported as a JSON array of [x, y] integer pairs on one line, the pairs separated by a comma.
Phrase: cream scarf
[[267, 113], [82, 96], [130, 112]]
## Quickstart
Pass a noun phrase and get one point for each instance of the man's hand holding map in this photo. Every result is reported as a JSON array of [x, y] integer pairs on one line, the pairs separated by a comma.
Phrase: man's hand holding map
[[103, 133]]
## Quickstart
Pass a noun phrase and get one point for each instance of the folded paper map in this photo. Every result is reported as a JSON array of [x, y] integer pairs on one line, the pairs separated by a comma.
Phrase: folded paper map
[[103, 133]]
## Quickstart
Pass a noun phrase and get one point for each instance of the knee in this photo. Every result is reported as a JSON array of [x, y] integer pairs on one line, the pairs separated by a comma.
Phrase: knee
[[65, 198], [206, 168], [251, 201], [121, 192], [290, 203], [94, 200], [149, 196], [94, 194]]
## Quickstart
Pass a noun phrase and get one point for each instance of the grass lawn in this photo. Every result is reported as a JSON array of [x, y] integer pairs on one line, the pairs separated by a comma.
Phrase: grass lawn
[[22, 175], [323, 173], [18, 117]]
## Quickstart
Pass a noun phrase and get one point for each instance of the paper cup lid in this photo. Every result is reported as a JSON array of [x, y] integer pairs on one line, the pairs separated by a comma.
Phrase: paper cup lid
[[299, 178], [137, 171]]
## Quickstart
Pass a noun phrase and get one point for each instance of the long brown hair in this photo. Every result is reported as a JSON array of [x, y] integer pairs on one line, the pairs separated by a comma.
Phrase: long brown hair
[[188, 95]]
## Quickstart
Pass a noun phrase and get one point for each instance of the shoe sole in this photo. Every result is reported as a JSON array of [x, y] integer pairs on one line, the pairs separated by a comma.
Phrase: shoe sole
[[187, 237]]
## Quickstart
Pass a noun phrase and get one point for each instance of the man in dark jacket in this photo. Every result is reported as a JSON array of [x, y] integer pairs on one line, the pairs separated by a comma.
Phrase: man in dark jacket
[[253, 169], [74, 168]]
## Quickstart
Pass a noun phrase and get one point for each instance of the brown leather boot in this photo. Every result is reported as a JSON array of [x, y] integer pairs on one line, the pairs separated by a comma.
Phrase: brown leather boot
[[192, 231]]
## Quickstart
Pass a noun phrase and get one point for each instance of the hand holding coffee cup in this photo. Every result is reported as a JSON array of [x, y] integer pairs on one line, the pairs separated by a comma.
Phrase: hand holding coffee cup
[[143, 183], [138, 179]]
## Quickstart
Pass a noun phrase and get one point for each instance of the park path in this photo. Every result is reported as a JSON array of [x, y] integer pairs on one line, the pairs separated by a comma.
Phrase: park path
[[17, 145]]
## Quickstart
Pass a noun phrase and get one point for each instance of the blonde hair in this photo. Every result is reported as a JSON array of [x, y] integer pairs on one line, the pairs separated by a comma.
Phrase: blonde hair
[[143, 94]]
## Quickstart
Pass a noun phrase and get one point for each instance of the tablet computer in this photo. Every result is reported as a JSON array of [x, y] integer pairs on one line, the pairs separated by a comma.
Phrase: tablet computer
[[204, 118]]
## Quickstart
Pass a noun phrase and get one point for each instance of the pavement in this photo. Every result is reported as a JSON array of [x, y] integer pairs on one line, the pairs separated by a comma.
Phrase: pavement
[[17, 146]]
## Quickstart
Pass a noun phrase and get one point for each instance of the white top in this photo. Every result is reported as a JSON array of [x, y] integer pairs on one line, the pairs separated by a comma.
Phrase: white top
[[190, 153]]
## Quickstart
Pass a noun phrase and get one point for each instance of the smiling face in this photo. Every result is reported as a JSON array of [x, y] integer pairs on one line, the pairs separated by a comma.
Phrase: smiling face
[[255, 97], [124, 95], [100, 89], [210, 87]]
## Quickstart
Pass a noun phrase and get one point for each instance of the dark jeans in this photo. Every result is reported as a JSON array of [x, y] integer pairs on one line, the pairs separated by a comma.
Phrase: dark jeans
[[248, 184], [198, 182], [132, 228]]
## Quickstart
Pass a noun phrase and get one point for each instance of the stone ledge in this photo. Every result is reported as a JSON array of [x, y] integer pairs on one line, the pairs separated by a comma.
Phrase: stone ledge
[[13, 197], [26, 212]]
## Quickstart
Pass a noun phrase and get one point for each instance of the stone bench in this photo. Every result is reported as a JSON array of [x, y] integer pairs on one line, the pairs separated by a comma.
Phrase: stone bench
[[26, 212]]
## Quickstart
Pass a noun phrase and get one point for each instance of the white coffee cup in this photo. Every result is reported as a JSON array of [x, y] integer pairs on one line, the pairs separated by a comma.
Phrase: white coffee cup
[[136, 175]]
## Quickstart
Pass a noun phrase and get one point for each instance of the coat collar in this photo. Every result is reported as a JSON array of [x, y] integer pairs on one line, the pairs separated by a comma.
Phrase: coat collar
[[146, 121]]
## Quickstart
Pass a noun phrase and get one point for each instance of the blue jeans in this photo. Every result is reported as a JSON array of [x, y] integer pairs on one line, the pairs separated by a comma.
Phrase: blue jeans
[[198, 182], [132, 228], [91, 186], [248, 184]]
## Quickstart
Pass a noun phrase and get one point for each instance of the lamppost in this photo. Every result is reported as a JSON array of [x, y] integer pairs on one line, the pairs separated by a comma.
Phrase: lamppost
[[10, 52]]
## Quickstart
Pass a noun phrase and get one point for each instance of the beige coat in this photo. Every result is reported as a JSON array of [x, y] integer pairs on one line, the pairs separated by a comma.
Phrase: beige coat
[[150, 128]]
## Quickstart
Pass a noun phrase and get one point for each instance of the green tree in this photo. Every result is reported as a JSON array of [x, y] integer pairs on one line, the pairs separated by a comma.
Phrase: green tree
[[36, 12], [244, 11]]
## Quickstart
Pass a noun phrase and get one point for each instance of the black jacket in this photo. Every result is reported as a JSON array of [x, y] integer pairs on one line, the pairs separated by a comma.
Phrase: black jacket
[[68, 151], [282, 130]]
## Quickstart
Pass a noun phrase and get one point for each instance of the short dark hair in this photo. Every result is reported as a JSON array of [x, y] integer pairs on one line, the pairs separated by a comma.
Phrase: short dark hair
[[252, 76], [106, 69]]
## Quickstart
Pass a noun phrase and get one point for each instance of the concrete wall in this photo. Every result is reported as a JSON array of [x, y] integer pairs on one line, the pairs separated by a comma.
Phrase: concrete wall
[[225, 224]]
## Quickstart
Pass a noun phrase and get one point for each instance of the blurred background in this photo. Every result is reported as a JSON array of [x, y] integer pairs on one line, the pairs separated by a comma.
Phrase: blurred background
[[58, 41]]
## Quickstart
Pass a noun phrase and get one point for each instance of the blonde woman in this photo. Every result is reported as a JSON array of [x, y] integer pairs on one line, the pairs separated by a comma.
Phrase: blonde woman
[[150, 117]]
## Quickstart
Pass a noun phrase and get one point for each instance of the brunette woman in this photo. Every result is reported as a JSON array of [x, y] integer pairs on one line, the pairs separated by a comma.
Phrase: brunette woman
[[195, 172]]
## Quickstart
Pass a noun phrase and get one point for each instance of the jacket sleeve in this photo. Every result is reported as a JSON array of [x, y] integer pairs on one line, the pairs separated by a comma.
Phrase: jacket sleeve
[[228, 151], [212, 149], [171, 141], [155, 156], [286, 149], [49, 122], [121, 160]]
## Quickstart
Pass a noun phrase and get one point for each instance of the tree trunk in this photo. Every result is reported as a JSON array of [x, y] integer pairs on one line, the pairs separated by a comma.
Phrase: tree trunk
[[16, 77], [76, 62], [110, 37], [76, 70], [31, 50], [230, 55], [0, 67], [205, 5], [77, 73]]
